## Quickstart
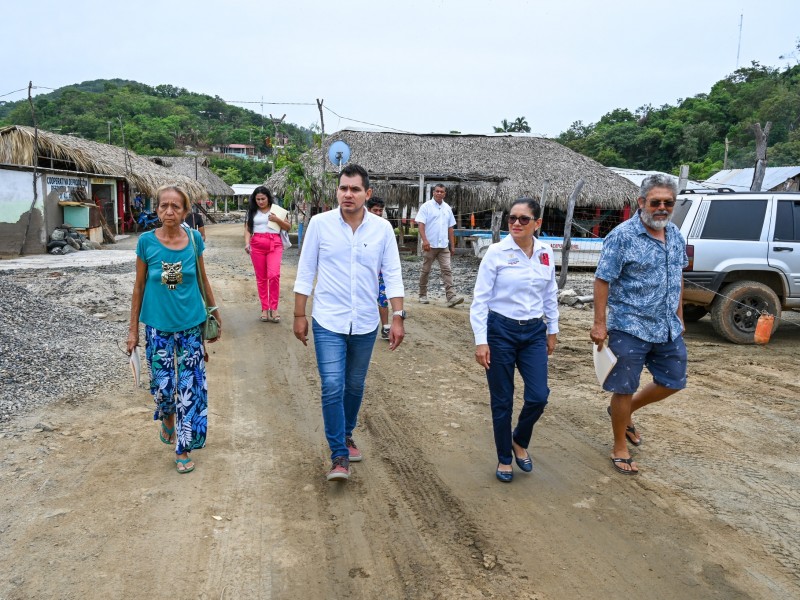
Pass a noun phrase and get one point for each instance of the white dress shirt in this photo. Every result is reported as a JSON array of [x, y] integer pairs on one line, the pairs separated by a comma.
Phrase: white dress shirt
[[515, 286], [346, 265], [438, 218]]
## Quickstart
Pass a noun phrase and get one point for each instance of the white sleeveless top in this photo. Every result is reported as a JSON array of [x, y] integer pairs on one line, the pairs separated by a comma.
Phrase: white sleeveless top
[[260, 222]]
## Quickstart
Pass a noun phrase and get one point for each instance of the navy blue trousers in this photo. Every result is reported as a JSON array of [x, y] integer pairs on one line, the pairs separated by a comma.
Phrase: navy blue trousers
[[523, 347]]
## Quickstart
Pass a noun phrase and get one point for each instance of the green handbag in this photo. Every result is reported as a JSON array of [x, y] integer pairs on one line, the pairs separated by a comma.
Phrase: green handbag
[[211, 325]]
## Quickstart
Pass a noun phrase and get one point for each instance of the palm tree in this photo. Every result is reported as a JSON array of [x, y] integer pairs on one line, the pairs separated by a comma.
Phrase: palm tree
[[521, 125], [504, 127]]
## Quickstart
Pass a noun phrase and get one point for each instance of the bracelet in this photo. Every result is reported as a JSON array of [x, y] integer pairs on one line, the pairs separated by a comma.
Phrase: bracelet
[[299, 316]]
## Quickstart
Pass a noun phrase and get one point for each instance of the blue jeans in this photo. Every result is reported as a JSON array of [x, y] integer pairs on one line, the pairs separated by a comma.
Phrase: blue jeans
[[524, 347], [342, 360]]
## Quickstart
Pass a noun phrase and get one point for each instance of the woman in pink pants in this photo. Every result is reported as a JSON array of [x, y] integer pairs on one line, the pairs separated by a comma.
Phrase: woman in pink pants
[[262, 241]]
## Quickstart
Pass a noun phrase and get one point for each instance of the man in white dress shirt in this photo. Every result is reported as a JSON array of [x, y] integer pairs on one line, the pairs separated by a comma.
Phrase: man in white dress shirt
[[436, 222], [345, 249]]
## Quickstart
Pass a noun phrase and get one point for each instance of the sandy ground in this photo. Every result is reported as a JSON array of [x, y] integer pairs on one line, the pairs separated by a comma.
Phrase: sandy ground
[[92, 506]]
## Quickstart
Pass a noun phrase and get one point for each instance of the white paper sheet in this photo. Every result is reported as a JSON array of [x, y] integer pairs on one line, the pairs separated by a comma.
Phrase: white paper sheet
[[604, 361], [136, 366]]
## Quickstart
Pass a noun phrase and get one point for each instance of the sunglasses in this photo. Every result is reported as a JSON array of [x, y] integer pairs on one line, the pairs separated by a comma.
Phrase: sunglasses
[[523, 220], [657, 203]]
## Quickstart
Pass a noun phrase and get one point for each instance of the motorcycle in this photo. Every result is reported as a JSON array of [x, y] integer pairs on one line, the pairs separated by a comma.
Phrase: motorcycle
[[147, 220]]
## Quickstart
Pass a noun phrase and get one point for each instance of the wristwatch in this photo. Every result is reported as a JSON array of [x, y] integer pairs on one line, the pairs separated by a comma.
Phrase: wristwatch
[[399, 313]]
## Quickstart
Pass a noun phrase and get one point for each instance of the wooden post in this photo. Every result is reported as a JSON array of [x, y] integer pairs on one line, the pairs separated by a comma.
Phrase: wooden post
[[542, 202], [421, 202], [725, 160], [497, 221], [573, 198], [761, 155], [683, 178]]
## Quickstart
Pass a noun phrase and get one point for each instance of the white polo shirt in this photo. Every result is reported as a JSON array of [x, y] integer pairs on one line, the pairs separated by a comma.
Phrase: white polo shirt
[[515, 286], [438, 218], [346, 266]]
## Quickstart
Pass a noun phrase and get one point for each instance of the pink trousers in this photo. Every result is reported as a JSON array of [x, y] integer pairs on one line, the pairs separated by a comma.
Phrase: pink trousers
[[266, 251]]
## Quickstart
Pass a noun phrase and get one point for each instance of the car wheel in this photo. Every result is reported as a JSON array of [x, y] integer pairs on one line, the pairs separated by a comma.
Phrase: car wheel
[[735, 311], [692, 313]]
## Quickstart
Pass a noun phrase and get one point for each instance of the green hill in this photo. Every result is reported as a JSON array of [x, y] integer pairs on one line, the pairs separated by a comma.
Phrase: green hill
[[160, 120], [694, 131]]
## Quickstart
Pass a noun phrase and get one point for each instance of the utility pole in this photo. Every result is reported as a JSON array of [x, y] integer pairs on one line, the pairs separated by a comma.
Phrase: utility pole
[[739, 47], [725, 160], [276, 122]]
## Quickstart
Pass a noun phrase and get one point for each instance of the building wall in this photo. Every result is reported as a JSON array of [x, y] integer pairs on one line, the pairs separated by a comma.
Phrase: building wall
[[16, 196]]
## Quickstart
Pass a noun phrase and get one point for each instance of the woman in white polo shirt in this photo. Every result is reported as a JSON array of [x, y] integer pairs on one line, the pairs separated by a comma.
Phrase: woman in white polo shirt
[[514, 317]]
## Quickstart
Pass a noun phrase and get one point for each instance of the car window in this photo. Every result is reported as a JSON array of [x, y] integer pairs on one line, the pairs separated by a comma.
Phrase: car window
[[734, 220], [682, 207], [787, 221]]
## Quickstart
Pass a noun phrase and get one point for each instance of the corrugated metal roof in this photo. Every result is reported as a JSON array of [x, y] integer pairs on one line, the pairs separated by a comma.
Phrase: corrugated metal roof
[[240, 189], [635, 176], [740, 180]]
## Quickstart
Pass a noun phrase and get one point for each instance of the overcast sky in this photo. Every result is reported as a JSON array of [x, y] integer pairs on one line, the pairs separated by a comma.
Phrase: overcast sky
[[413, 65]]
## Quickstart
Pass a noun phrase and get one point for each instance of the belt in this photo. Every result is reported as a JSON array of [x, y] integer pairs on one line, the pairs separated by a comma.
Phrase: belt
[[517, 321]]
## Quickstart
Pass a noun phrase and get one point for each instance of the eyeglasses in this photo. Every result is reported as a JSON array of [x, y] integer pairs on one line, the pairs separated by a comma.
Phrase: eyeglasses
[[523, 220], [657, 203]]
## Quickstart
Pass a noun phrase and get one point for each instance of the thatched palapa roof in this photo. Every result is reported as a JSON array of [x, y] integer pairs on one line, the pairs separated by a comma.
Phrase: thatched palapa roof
[[67, 153], [480, 171], [195, 167]]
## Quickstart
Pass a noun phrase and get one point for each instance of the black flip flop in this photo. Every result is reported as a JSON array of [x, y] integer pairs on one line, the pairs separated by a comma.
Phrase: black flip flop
[[627, 461], [629, 429], [632, 430]]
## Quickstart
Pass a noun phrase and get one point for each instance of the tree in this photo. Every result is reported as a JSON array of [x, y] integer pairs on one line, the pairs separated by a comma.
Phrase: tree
[[520, 125]]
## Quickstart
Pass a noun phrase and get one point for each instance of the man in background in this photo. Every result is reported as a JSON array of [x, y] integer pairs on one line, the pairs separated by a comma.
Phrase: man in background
[[375, 205], [195, 221], [436, 222]]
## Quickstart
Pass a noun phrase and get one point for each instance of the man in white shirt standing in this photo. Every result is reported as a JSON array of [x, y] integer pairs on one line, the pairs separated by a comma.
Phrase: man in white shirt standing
[[436, 222], [345, 249]]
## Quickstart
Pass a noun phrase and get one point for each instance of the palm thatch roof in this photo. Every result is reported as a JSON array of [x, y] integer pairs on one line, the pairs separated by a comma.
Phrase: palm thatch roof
[[195, 167], [69, 153], [480, 171]]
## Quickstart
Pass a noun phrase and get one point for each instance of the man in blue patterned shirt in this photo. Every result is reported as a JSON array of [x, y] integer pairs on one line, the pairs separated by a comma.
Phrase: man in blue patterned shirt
[[639, 280]]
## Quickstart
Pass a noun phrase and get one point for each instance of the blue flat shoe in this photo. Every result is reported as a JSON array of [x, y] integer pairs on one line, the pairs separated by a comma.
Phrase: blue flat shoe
[[504, 476], [526, 464]]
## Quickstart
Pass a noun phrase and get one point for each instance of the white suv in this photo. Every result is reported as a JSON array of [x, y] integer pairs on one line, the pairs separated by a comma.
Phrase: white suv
[[744, 257]]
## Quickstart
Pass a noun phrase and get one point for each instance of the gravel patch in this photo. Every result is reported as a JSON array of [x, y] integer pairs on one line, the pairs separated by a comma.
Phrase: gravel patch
[[51, 350]]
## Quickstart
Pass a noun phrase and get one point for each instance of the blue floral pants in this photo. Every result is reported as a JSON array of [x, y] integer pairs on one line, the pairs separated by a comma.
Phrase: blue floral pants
[[178, 383]]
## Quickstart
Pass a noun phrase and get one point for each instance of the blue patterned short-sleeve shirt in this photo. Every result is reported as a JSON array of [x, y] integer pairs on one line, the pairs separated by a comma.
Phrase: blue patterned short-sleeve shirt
[[644, 277]]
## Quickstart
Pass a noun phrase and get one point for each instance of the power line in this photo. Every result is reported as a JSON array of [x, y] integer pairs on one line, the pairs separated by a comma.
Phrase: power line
[[364, 122], [271, 103], [14, 92], [35, 87]]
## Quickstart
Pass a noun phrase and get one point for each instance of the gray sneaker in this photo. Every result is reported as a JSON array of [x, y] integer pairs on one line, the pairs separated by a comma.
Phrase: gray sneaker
[[423, 300], [455, 301]]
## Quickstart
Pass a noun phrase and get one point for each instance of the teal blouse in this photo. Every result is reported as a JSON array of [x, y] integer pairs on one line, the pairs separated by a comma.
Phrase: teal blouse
[[172, 301]]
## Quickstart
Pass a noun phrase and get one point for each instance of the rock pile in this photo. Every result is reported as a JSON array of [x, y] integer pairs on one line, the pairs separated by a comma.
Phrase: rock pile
[[66, 239]]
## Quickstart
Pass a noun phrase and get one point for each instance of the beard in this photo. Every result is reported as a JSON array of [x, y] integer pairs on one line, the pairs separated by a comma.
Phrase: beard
[[648, 219]]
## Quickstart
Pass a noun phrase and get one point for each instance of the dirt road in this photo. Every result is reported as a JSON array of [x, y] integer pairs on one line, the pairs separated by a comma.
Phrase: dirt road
[[92, 506]]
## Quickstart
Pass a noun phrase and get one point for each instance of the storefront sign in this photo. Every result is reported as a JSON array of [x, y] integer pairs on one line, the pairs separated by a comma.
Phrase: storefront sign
[[64, 186]]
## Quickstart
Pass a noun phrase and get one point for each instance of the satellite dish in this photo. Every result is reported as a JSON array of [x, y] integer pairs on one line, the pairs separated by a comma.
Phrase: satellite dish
[[339, 153]]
